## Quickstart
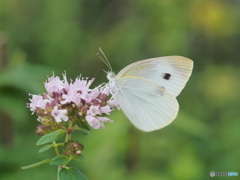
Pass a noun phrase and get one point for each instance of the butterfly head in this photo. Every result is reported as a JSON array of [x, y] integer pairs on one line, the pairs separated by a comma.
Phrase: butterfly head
[[112, 84], [111, 75]]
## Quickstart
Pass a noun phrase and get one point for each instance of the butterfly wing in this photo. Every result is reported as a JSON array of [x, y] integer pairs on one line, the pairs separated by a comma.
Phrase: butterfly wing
[[147, 105], [170, 72]]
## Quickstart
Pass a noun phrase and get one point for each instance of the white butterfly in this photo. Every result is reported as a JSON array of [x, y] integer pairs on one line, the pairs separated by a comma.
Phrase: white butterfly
[[146, 90]]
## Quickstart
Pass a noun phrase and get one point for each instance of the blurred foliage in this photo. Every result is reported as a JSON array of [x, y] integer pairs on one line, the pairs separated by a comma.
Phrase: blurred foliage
[[45, 36]]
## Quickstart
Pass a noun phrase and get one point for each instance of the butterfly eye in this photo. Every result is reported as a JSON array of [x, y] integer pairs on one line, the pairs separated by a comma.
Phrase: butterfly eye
[[166, 76]]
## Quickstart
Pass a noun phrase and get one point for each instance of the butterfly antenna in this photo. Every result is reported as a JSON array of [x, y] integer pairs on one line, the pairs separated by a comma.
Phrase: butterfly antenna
[[105, 60], [104, 71]]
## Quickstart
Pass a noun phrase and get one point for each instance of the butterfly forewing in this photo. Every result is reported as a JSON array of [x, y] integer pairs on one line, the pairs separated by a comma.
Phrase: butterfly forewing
[[147, 105], [170, 72]]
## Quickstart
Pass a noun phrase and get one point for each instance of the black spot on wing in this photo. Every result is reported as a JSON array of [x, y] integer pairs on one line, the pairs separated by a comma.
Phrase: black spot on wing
[[166, 76]]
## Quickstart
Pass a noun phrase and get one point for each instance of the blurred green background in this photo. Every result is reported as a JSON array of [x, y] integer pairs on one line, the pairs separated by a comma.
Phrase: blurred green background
[[38, 37]]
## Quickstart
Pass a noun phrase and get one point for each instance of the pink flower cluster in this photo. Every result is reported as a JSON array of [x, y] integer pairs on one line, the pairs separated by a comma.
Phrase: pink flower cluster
[[72, 101]]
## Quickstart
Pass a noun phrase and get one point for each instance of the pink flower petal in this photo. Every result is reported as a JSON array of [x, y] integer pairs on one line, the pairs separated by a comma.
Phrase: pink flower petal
[[59, 114]]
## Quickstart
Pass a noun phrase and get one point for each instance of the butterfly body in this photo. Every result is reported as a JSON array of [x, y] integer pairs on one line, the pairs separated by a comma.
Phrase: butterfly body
[[146, 90], [112, 84]]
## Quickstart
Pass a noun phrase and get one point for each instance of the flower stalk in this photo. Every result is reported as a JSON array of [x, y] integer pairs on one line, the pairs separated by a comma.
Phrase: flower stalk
[[69, 133]]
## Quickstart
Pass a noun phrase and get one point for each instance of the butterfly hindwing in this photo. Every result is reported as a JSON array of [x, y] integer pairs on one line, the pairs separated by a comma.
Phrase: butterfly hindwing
[[147, 105]]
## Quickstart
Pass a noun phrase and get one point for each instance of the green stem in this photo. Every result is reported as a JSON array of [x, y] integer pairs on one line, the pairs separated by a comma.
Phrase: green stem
[[58, 172], [60, 144], [68, 135], [55, 146]]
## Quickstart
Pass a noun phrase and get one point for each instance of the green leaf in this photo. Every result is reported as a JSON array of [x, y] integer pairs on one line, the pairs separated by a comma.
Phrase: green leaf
[[45, 148], [82, 124], [79, 158], [70, 173], [37, 164], [53, 136], [60, 160], [83, 130]]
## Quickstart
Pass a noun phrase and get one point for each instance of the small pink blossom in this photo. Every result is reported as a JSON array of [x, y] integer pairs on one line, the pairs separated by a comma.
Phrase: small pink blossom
[[113, 103], [55, 85], [38, 101], [93, 121], [106, 90], [34, 102], [105, 110], [93, 110], [97, 122], [59, 114]]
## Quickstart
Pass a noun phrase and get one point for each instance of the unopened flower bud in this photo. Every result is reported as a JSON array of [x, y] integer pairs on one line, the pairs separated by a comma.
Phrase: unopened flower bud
[[84, 109], [73, 148], [78, 152], [42, 130], [47, 121]]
